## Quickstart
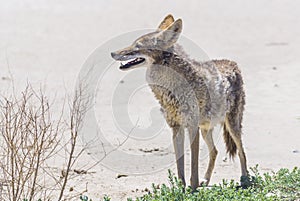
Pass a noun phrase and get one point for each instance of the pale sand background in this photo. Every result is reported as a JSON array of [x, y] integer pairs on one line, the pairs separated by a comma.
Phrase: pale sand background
[[46, 42]]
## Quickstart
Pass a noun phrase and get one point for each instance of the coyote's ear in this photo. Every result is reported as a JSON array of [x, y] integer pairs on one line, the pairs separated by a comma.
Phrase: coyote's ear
[[170, 35], [166, 22]]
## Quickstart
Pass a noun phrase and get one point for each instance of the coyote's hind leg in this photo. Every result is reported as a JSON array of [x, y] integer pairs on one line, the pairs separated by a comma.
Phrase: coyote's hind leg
[[233, 126], [213, 152]]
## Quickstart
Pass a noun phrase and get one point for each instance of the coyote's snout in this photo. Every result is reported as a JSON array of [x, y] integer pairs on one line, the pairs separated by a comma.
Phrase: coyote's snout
[[193, 95]]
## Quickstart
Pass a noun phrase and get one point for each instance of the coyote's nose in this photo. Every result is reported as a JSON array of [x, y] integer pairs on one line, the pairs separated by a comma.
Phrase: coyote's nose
[[117, 56], [113, 55]]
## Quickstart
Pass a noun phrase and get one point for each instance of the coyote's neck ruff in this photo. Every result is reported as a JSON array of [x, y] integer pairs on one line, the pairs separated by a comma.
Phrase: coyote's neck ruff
[[192, 95]]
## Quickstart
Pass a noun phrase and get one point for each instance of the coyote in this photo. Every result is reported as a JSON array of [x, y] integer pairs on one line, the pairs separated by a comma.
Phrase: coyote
[[192, 95]]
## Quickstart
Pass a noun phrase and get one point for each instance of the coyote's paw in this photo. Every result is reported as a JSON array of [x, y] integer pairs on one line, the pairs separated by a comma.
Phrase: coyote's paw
[[204, 182], [245, 182]]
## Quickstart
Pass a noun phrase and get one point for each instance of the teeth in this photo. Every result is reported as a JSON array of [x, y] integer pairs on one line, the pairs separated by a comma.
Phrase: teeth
[[131, 61]]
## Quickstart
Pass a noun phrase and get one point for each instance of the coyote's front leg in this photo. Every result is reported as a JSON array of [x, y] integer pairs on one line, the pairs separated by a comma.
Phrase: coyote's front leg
[[178, 142], [194, 140]]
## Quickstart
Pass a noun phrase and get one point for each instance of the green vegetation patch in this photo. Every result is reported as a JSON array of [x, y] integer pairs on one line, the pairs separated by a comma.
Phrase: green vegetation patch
[[282, 185]]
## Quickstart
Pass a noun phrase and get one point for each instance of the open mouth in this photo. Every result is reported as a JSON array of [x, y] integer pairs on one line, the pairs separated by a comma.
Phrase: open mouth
[[132, 62]]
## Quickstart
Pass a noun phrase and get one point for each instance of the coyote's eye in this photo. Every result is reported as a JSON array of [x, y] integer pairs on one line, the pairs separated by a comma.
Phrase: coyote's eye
[[138, 45]]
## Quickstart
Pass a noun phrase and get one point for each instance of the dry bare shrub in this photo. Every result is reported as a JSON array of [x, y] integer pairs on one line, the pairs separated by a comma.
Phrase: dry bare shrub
[[30, 135], [78, 106]]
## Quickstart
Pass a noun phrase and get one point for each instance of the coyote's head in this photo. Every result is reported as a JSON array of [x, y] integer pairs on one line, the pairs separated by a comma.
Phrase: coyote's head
[[148, 48]]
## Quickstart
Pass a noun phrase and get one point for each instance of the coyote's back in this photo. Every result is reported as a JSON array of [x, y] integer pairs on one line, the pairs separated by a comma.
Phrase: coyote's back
[[192, 94]]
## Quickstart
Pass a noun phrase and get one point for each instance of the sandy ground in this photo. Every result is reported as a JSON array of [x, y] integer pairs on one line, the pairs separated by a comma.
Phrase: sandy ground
[[47, 42]]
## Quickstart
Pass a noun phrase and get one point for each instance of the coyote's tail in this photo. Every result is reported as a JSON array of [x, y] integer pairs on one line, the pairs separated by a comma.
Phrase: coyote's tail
[[230, 144]]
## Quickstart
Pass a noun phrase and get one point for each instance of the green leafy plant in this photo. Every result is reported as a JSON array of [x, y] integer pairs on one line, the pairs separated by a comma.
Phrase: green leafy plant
[[283, 185]]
